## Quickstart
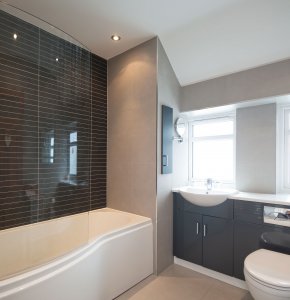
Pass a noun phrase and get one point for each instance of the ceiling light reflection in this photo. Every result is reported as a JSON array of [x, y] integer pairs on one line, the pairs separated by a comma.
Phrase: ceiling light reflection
[[115, 37]]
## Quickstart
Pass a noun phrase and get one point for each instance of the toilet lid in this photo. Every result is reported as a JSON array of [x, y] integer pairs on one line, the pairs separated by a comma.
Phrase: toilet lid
[[270, 267]]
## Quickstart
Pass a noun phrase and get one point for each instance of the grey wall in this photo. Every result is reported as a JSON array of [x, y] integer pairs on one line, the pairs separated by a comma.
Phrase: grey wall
[[139, 82], [168, 94], [132, 114], [256, 126], [261, 82], [256, 149]]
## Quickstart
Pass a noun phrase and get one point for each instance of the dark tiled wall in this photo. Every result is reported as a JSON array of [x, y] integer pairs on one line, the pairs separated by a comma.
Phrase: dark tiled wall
[[53, 133], [99, 133]]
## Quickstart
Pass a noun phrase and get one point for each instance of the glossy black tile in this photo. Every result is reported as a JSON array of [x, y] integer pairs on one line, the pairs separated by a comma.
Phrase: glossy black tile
[[18, 38], [99, 133], [53, 126]]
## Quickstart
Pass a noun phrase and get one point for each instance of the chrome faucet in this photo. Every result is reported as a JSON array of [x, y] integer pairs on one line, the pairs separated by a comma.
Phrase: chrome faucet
[[209, 184]]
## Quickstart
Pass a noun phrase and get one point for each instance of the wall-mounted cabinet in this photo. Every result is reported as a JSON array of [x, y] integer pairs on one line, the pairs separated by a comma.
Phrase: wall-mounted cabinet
[[167, 140]]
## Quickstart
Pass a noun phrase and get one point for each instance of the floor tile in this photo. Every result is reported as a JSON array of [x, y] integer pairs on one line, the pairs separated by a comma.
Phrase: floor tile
[[179, 283], [224, 291]]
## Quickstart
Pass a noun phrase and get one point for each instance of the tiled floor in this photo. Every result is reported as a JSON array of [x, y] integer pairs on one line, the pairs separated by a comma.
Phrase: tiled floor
[[179, 283]]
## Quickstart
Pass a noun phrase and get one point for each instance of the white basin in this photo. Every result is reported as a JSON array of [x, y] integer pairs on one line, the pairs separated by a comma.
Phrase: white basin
[[202, 197]]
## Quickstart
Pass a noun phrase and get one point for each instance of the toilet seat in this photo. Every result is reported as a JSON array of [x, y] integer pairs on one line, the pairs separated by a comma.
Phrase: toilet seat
[[260, 283], [269, 268]]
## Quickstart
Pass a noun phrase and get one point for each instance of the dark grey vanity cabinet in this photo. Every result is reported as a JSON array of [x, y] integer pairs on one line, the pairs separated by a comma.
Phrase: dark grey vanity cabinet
[[192, 237], [218, 244], [246, 241], [248, 229], [177, 226], [222, 236], [249, 226], [204, 235]]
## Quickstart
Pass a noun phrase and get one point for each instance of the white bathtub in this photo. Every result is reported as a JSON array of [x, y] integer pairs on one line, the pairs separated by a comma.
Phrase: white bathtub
[[118, 254]]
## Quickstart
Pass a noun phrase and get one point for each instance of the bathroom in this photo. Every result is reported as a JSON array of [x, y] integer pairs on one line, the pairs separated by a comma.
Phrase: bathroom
[[118, 137]]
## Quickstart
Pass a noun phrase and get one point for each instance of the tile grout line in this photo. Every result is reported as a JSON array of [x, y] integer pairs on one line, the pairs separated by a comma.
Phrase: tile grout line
[[38, 156]]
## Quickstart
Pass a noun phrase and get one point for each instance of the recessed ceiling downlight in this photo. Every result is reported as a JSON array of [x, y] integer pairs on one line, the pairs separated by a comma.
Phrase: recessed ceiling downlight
[[15, 36], [115, 37]]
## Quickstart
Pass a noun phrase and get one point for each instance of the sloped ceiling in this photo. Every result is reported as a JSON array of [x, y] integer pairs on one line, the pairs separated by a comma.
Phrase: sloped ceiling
[[203, 39]]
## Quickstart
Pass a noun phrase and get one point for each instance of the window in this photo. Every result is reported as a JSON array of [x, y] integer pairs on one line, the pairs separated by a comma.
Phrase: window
[[51, 157], [73, 153], [212, 147], [284, 149], [47, 150]]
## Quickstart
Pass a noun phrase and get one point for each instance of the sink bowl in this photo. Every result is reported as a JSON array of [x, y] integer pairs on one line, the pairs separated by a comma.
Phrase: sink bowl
[[201, 197]]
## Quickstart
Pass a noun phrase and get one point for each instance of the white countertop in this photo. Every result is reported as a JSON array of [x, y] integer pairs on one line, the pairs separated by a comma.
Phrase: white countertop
[[280, 199]]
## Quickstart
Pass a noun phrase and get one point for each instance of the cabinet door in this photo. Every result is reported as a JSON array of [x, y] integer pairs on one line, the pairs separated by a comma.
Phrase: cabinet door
[[247, 239], [192, 237], [218, 244], [177, 225]]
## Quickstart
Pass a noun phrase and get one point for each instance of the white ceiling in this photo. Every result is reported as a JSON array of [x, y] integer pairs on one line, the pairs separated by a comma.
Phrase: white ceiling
[[203, 38]]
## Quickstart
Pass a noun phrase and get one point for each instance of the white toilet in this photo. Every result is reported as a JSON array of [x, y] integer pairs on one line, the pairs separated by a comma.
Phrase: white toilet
[[267, 275]]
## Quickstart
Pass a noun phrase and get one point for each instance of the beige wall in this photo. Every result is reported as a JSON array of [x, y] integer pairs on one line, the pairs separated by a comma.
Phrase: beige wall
[[269, 80], [168, 94], [132, 78], [138, 84], [132, 114]]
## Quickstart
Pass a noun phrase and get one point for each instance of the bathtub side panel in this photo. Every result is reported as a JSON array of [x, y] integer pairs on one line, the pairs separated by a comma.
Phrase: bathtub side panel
[[130, 260], [112, 266]]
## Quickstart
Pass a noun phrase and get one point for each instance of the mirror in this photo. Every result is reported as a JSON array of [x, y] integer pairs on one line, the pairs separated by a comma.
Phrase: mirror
[[259, 142], [180, 126]]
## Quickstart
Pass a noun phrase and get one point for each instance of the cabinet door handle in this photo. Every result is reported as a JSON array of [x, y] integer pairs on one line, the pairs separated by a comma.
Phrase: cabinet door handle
[[197, 228], [204, 230]]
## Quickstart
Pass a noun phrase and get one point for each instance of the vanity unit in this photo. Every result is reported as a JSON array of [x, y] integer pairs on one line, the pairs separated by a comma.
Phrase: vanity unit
[[221, 237]]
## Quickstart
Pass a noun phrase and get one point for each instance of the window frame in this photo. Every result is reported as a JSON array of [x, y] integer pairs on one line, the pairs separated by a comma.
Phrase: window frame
[[72, 144], [283, 160], [211, 119]]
